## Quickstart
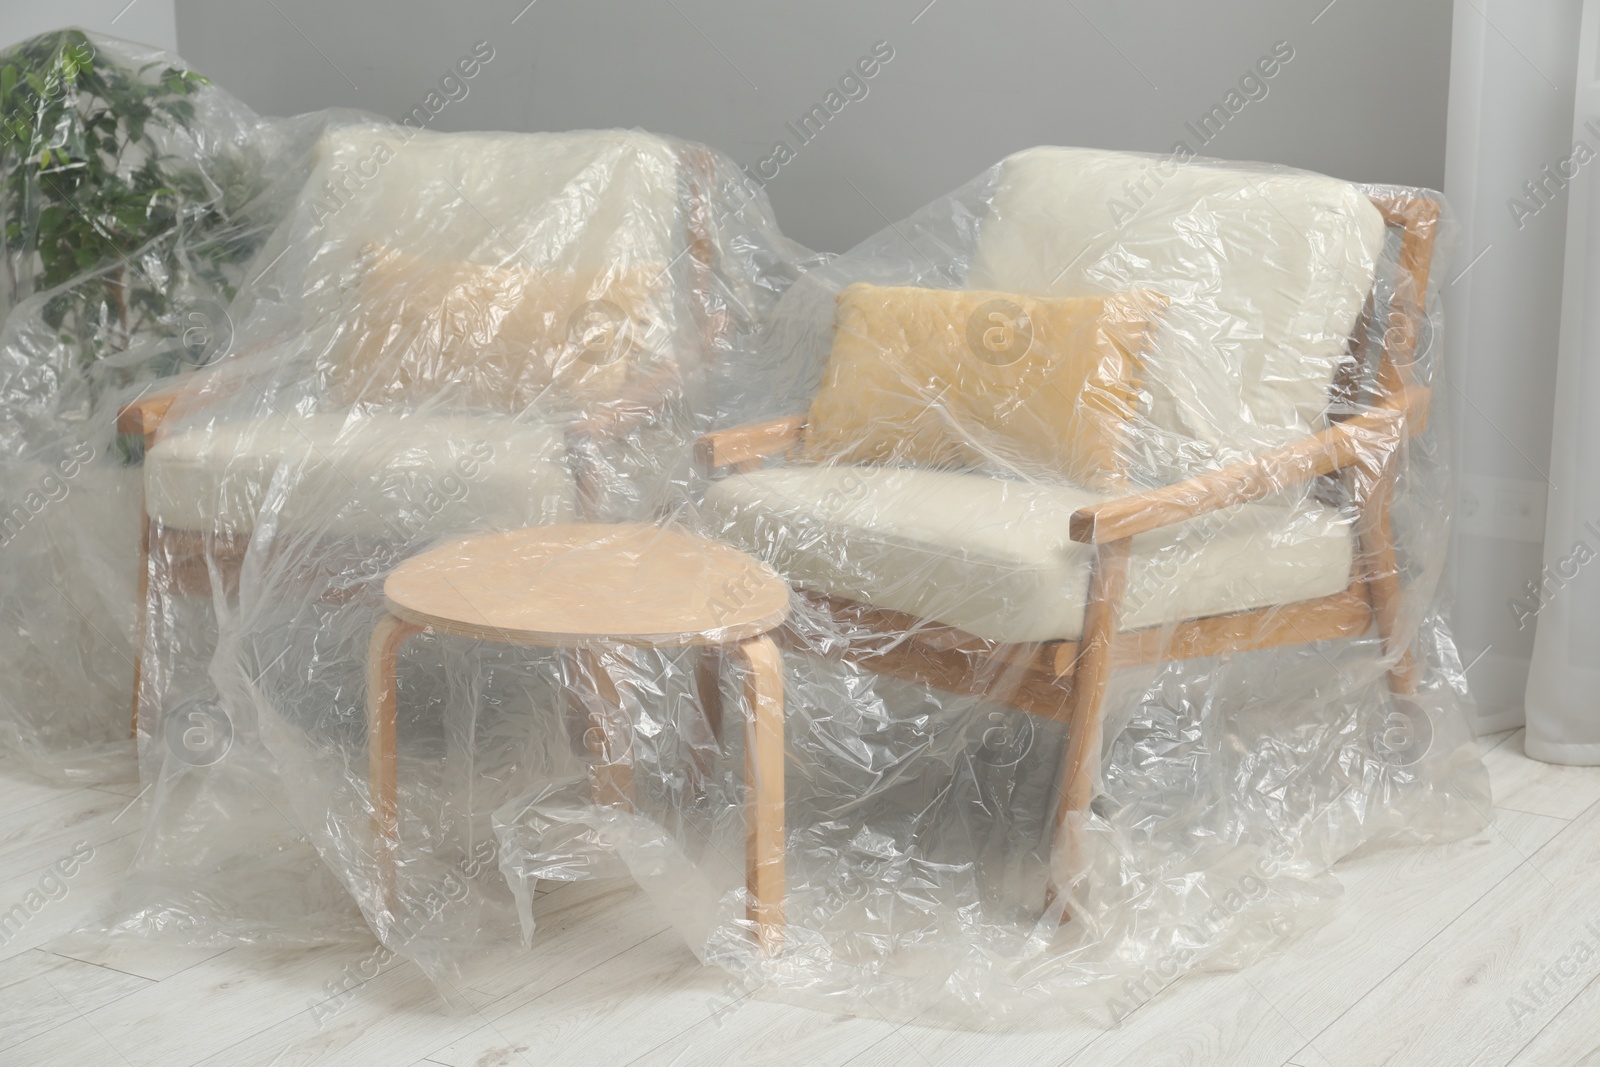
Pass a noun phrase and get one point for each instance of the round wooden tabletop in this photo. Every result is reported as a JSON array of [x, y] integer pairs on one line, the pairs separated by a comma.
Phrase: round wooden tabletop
[[575, 584]]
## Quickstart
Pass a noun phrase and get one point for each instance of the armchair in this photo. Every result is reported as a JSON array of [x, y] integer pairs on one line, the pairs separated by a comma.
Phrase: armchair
[[1032, 594], [497, 310]]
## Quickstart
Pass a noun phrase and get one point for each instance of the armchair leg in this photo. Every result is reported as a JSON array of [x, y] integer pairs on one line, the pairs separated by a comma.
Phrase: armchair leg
[[142, 617], [1080, 766], [1383, 582]]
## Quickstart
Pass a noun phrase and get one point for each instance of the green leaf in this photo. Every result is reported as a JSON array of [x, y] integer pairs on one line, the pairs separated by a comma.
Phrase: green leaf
[[182, 111], [82, 176], [55, 311]]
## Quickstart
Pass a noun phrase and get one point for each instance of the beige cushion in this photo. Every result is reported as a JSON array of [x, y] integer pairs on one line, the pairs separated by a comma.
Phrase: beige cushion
[[493, 338], [396, 477], [991, 555], [976, 378], [1267, 272], [522, 226]]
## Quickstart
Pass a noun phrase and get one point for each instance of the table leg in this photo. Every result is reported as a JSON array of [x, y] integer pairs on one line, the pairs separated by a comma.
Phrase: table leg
[[382, 653], [708, 681], [763, 768], [609, 737], [705, 737]]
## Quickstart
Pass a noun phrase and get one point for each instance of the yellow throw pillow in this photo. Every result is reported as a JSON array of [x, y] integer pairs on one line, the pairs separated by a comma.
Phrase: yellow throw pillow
[[493, 338], [972, 379]]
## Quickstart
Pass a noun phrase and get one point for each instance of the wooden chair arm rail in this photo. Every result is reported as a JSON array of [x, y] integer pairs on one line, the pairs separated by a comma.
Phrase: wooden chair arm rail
[[1366, 438], [754, 441], [145, 413]]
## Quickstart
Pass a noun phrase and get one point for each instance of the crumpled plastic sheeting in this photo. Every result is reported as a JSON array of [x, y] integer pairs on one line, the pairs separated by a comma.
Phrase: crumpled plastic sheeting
[[925, 871], [428, 312], [145, 301], [448, 333]]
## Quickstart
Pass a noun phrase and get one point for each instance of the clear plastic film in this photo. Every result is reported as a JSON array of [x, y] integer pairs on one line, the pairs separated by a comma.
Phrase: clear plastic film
[[447, 334], [134, 193], [1016, 612], [1114, 501]]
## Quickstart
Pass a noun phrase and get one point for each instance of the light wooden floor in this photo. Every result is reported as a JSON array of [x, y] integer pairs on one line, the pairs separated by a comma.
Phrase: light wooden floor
[[1420, 965]]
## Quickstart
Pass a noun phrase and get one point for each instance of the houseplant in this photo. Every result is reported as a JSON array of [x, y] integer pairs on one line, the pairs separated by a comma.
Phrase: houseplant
[[113, 199]]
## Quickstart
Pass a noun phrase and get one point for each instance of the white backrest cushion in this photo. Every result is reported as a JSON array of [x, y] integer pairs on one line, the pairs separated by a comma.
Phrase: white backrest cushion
[[1267, 271], [591, 214], [543, 201]]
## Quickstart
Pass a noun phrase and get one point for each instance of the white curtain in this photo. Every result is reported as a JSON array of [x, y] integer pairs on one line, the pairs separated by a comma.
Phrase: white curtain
[[1512, 78], [1563, 697]]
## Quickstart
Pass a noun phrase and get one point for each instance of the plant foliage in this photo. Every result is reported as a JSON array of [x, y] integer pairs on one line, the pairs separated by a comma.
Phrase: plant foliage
[[92, 194]]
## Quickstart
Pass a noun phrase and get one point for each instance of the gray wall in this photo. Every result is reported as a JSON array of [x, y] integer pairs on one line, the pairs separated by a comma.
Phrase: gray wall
[[148, 21], [1363, 97]]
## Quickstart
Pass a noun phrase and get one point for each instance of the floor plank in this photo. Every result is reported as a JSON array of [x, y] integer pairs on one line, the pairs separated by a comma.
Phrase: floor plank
[[1421, 962], [52, 908], [235, 995], [1488, 742], [1380, 922], [1267, 1013], [147, 959], [386, 1021], [122, 789], [1477, 993], [579, 926], [1206, 1018], [42, 991], [611, 1014], [20, 790], [1571, 1037], [387, 1018], [746, 1028], [42, 834], [943, 1047], [1523, 784]]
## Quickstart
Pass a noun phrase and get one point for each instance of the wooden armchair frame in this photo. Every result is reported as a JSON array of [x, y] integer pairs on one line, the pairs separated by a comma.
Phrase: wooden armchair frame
[[642, 400], [1067, 680]]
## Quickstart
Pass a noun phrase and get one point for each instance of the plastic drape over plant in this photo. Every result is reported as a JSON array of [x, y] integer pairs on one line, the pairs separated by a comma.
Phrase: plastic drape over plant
[[132, 194], [1108, 489]]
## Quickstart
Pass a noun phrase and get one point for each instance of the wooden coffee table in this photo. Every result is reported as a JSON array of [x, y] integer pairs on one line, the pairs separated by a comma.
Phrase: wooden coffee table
[[588, 588]]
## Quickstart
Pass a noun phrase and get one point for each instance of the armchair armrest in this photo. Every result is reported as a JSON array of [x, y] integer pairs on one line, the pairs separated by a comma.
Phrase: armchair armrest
[[746, 444], [145, 413], [1362, 440]]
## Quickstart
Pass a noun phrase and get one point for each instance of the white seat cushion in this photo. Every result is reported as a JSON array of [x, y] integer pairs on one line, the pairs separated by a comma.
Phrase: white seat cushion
[[385, 475], [992, 556], [1267, 270]]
